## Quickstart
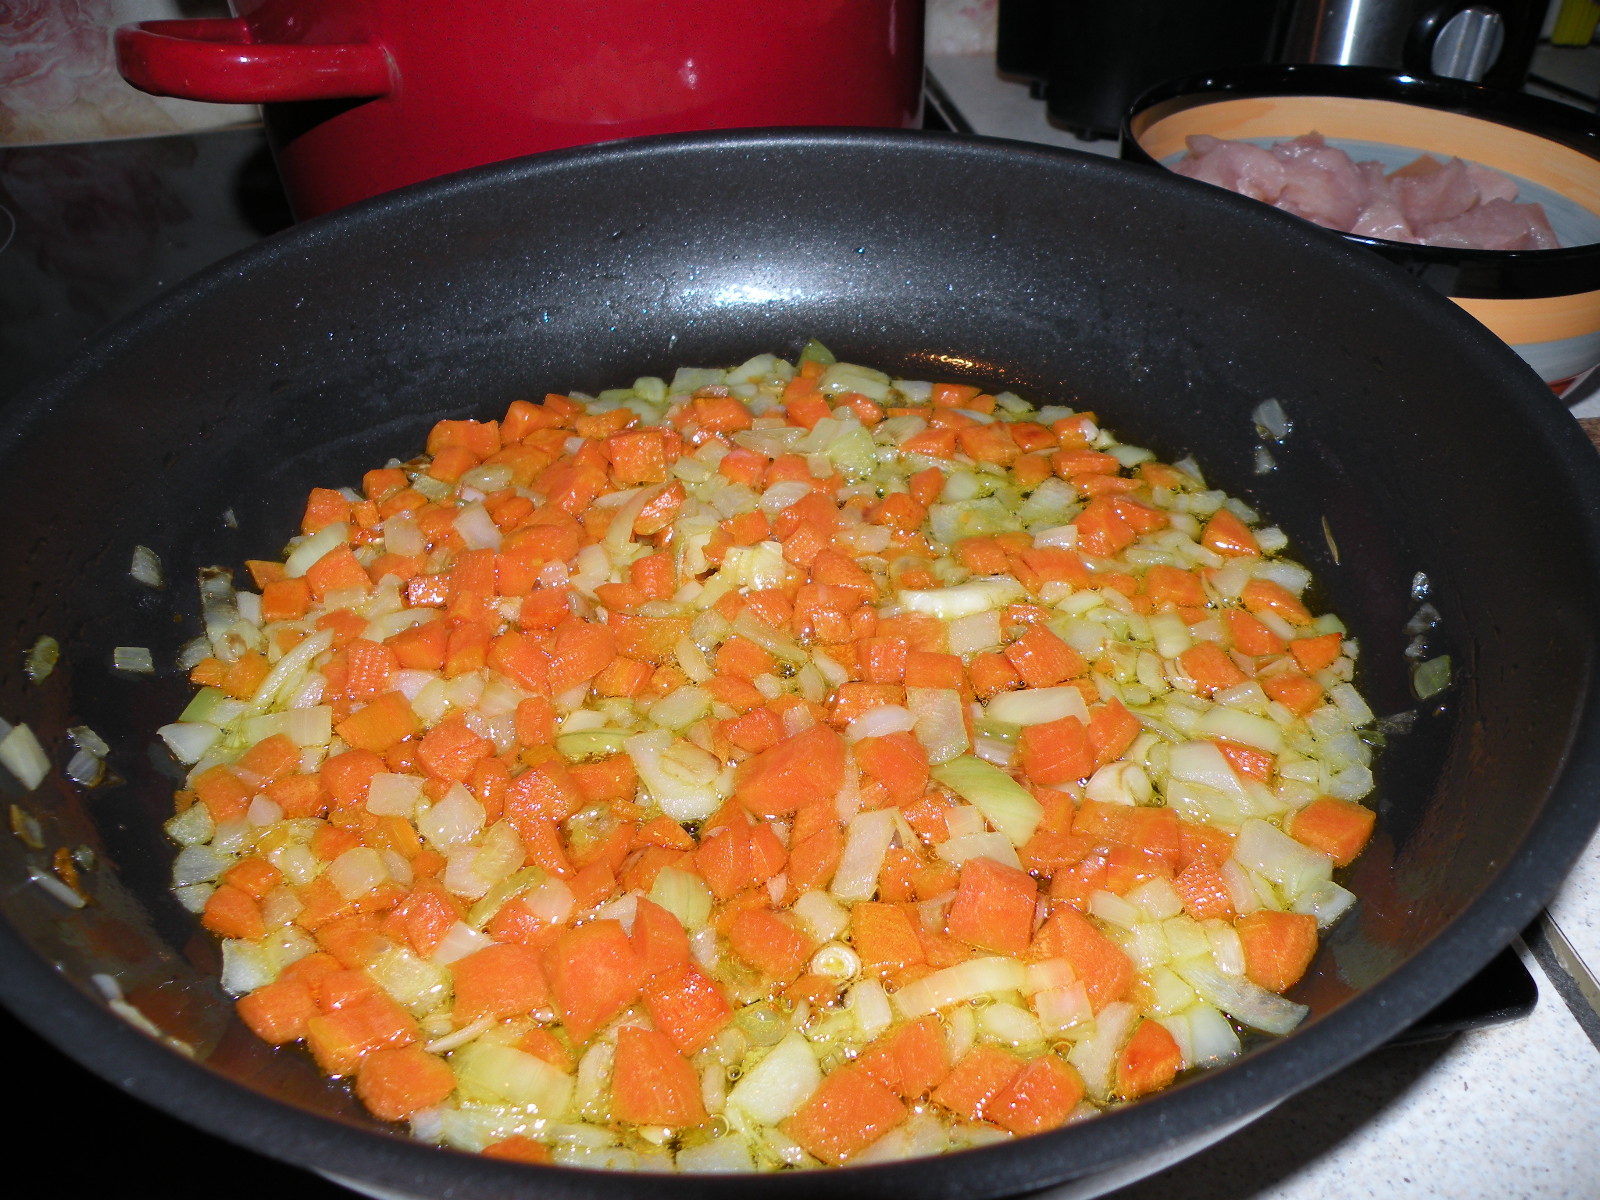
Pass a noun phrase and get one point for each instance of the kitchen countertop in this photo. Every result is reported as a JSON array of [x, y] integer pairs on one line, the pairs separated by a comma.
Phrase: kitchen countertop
[[90, 231]]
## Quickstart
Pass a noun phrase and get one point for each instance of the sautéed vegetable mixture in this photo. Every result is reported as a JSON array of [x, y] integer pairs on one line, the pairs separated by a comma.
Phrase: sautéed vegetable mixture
[[779, 766]]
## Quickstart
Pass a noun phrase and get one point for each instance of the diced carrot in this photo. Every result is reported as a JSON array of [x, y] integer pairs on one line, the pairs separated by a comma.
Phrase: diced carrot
[[1247, 760], [885, 936], [1112, 729], [1278, 947], [1316, 653], [379, 725], [518, 1148], [341, 1038], [658, 939], [394, 1084], [277, 1012], [768, 942], [1042, 659], [242, 677], [1338, 828], [688, 1006], [845, 1115], [1296, 692], [1105, 971], [544, 791], [803, 767], [982, 1074], [898, 761], [450, 750], [1210, 667], [1227, 534], [1057, 751], [347, 776], [231, 912], [1149, 1062], [652, 1083], [1156, 830], [994, 907], [1250, 636], [1172, 587], [501, 980], [1041, 1096], [1263, 595], [594, 975], [1204, 892]]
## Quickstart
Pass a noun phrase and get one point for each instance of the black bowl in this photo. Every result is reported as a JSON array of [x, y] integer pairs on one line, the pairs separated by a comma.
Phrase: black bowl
[[1545, 304], [1172, 308]]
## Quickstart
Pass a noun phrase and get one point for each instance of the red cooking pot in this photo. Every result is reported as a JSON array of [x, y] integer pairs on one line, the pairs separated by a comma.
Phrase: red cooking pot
[[362, 96]]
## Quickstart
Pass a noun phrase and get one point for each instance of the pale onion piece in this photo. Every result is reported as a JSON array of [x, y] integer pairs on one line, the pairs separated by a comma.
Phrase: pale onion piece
[[551, 901], [500, 852], [1177, 1025], [85, 768], [963, 819], [384, 626], [726, 1155], [622, 910], [1431, 677], [247, 966], [146, 567], [1271, 420], [289, 668], [459, 941], [693, 661], [42, 658], [1241, 887], [455, 820], [1227, 949], [1060, 1009], [684, 706], [1296, 868], [866, 841], [960, 1030], [684, 781], [310, 726], [989, 976], [684, 895], [136, 659], [972, 634], [770, 639], [21, 754], [1170, 634], [487, 478], [188, 740], [941, 724], [263, 812], [1201, 762], [1119, 783], [996, 846], [497, 896], [619, 534], [431, 701], [1240, 999], [1004, 802], [458, 875], [1212, 1040], [1037, 706], [1156, 898], [1064, 537], [1095, 1056], [869, 1005], [1009, 1024], [193, 897], [1145, 944], [357, 871], [1234, 725], [779, 1084], [1114, 910], [87, 739], [879, 722], [783, 495], [836, 961], [192, 826], [1047, 973], [306, 555], [823, 917], [402, 535], [199, 864], [1327, 903], [1351, 704], [489, 1073], [963, 599]]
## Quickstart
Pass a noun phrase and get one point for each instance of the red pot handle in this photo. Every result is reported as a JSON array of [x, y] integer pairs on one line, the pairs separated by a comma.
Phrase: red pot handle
[[215, 60]]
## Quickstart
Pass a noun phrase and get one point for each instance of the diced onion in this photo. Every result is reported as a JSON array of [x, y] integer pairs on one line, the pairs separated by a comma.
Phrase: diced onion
[[21, 754]]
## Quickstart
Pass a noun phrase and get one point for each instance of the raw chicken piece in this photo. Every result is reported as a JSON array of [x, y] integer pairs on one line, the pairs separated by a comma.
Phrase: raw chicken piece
[[1454, 203], [1431, 191], [1382, 215], [1496, 225], [1322, 182], [1237, 166]]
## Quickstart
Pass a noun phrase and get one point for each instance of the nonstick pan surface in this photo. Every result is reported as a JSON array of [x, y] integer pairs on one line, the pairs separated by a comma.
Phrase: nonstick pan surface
[[1424, 461]]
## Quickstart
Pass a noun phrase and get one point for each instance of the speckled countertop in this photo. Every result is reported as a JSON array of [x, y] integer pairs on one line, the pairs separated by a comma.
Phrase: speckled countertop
[[1511, 1111]]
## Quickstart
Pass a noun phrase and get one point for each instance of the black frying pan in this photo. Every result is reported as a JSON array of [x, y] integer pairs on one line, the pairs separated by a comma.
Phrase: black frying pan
[[1420, 445]]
